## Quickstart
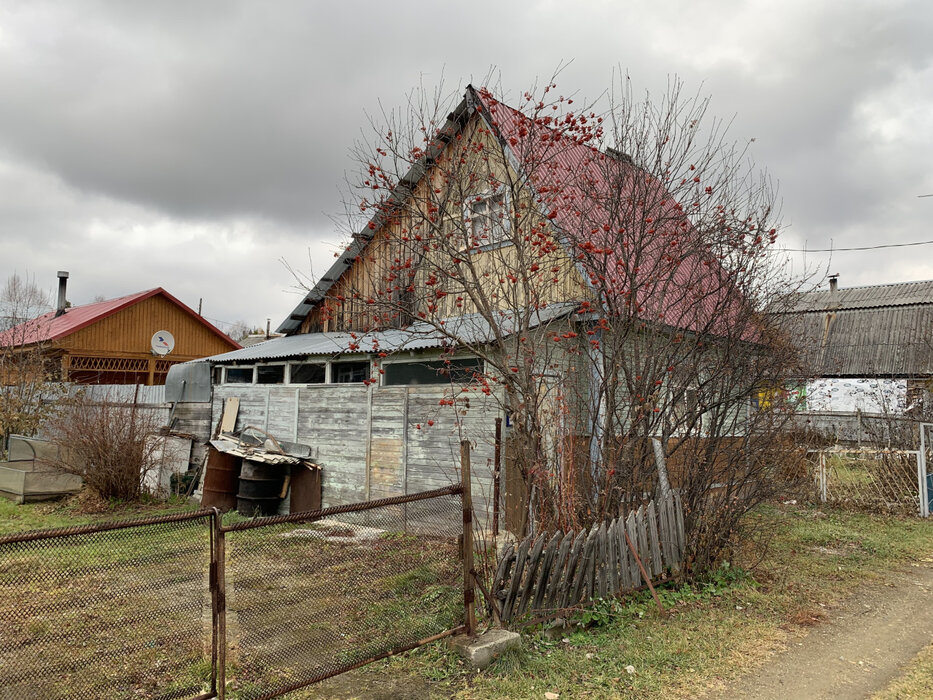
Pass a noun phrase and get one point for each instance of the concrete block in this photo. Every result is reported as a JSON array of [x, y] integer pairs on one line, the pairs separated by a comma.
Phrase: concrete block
[[483, 649]]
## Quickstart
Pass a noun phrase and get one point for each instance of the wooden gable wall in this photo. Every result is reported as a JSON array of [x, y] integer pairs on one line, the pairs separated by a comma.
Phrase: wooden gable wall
[[356, 299], [128, 333]]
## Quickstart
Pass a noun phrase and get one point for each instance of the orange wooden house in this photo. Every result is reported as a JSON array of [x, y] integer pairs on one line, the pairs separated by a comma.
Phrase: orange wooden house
[[129, 340]]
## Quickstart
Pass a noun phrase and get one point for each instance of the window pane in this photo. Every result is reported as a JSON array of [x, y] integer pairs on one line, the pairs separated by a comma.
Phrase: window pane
[[307, 374], [239, 375], [270, 374], [349, 372], [432, 372]]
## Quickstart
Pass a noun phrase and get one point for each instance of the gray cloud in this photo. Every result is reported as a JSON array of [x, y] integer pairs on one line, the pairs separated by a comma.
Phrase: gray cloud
[[191, 145]]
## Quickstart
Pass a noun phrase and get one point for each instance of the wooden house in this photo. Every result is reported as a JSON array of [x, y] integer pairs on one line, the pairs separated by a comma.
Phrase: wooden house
[[521, 212], [112, 341]]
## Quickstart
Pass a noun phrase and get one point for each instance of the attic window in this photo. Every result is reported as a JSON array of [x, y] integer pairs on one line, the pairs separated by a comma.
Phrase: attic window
[[486, 217]]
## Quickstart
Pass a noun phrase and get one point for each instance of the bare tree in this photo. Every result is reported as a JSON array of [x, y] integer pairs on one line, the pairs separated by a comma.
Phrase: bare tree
[[25, 372], [609, 268]]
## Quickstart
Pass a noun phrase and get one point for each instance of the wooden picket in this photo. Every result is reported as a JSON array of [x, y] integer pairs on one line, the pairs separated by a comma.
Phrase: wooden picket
[[548, 573]]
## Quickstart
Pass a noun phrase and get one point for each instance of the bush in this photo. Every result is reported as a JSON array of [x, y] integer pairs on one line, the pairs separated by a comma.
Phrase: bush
[[105, 443]]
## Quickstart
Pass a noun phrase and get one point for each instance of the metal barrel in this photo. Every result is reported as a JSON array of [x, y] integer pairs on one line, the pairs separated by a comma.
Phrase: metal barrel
[[260, 487], [220, 481]]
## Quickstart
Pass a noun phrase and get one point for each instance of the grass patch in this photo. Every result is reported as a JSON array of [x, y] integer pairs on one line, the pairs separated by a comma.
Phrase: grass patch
[[81, 509], [299, 603], [717, 628]]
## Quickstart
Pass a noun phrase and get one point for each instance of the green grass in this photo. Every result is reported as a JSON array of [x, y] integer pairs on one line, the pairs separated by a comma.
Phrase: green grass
[[79, 510], [716, 628]]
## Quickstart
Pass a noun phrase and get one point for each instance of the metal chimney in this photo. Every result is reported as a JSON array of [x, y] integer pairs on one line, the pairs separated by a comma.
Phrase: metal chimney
[[833, 282], [62, 285]]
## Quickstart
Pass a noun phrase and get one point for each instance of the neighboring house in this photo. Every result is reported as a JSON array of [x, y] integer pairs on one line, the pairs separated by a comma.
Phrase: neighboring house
[[868, 357], [371, 368], [866, 348], [114, 341]]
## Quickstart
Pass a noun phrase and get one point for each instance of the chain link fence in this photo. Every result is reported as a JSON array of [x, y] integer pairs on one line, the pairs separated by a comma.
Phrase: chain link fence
[[184, 607], [122, 610], [308, 598]]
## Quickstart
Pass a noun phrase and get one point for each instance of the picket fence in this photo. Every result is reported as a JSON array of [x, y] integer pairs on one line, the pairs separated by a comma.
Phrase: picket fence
[[551, 572]]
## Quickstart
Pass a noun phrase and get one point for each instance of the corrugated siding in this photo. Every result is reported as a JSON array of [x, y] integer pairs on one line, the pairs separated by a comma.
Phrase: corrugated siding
[[890, 341], [900, 294], [121, 393]]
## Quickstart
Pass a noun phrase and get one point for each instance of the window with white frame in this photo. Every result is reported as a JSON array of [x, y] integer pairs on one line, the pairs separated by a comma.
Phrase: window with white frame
[[486, 215]]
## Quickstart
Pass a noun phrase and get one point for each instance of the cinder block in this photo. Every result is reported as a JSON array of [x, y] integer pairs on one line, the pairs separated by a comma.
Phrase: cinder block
[[482, 650]]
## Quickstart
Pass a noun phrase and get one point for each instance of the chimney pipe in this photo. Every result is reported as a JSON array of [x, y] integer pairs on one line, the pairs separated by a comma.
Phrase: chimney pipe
[[268, 328], [62, 284]]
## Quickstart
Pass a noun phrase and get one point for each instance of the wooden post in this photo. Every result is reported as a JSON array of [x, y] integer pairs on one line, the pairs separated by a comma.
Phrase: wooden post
[[644, 574], [496, 477], [150, 375], [467, 554]]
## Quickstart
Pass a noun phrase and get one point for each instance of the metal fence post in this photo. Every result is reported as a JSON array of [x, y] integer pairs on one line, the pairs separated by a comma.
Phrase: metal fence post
[[220, 620], [922, 473], [822, 477], [468, 584]]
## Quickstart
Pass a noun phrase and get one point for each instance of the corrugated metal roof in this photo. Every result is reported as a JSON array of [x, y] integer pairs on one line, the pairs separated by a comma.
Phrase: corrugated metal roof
[[883, 330], [469, 329], [868, 297]]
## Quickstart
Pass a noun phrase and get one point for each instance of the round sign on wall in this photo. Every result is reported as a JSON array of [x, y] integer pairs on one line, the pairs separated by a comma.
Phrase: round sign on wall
[[162, 343]]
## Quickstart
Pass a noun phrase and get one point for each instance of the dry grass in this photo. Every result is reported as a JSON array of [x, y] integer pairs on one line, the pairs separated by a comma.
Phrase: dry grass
[[915, 684]]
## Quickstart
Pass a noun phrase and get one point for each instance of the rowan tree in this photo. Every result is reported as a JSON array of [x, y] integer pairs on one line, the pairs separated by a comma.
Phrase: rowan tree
[[610, 267]]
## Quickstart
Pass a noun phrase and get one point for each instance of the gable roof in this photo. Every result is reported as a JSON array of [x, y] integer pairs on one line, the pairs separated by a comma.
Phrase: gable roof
[[871, 331], [49, 327], [558, 166]]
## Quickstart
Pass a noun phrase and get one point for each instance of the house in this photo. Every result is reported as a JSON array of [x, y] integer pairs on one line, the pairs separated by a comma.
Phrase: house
[[868, 356], [867, 347], [133, 339], [481, 300]]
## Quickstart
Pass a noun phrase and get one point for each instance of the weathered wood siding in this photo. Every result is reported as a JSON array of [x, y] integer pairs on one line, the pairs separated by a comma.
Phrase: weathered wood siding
[[434, 212], [376, 442]]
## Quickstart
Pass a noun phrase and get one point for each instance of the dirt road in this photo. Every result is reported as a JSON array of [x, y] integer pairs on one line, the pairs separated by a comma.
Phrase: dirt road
[[861, 647]]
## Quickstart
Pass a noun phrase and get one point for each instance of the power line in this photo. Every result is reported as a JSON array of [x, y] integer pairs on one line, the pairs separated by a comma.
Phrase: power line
[[866, 247]]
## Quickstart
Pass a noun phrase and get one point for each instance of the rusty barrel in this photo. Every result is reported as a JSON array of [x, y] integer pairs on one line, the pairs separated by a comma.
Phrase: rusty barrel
[[260, 486], [220, 481]]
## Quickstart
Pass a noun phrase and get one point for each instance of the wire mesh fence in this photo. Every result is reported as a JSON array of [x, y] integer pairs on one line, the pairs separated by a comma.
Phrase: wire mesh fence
[[308, 597], [183, 607], [122, 610], [885, 481]]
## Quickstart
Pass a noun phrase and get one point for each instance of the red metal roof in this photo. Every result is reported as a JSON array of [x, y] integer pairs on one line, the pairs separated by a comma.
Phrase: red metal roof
[[665, 276], [49, 327]]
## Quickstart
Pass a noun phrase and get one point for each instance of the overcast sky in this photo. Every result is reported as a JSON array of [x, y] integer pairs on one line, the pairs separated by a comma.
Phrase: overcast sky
[[192, 145]]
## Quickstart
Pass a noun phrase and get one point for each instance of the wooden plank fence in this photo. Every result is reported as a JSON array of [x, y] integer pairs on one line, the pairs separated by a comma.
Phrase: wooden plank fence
[[560, 570]]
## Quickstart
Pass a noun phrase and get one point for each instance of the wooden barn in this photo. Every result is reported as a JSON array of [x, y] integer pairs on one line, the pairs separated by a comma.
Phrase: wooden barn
[[132, 339]]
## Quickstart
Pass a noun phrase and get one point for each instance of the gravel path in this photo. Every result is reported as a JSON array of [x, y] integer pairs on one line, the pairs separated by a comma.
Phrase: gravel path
[[858, 651]]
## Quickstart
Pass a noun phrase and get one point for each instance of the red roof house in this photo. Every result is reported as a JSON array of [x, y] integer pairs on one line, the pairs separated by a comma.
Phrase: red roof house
[[132, 339]]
